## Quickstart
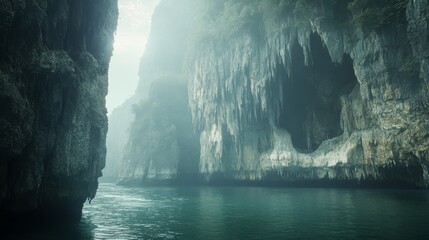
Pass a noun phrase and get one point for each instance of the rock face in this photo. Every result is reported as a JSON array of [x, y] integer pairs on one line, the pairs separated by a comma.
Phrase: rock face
[[53, 82], [318, 95], [117, 137], [310, 92], [162, 144]]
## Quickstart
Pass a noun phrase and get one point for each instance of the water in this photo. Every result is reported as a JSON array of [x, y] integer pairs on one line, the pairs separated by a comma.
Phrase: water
[[249, 213]]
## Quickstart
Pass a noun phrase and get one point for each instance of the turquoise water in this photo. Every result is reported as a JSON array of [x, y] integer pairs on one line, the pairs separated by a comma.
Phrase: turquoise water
[[250, 213]]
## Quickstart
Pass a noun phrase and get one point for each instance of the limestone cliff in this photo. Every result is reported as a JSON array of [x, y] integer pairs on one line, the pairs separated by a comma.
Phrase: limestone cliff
[[54, 57], [117, 137], [162, 144], [315, 90], [310, 92]]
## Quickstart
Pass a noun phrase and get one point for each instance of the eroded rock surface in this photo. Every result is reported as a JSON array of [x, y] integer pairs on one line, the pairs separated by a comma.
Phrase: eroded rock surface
[[162, 145], [54, 58], [308, 92], [316, 96]]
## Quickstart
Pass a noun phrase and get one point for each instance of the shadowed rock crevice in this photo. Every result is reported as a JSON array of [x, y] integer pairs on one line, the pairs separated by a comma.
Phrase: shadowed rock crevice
[[311, 104], [294, 92]]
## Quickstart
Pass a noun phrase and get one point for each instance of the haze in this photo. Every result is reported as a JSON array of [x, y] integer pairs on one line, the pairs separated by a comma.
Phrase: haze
[[130, 40]]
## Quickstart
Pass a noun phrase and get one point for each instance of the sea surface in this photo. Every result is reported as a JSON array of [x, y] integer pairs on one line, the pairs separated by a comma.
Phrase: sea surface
[[248, 213]]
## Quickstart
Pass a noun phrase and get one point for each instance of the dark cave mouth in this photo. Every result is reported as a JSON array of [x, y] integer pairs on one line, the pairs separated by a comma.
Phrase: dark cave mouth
[[311, 103]]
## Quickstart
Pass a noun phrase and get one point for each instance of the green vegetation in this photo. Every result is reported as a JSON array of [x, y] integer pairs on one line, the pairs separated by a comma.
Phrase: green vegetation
[[167, 103], [164, 117], [221, 20], [373, 15]]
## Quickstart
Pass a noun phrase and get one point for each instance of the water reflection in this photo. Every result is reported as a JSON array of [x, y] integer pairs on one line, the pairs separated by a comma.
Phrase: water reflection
[[246, 213], [48, 231]]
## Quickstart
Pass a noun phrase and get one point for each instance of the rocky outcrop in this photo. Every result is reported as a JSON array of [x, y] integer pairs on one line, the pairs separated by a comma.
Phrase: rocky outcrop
[[53, 82], [324, 90], [162, 144], [309, 92], [117, 137]]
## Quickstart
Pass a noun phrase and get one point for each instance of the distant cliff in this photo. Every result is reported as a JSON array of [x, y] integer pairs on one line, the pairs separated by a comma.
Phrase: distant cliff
[[310, 92], [54, 58], [162, 144]]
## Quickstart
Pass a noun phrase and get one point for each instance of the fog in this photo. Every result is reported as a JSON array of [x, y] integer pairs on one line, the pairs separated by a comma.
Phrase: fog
[[226, 119], [130, 41], [133, 142]]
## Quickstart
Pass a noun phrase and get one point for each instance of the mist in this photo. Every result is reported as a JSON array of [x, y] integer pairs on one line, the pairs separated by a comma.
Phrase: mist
[[130, 41], [214, 119], [266, 94]]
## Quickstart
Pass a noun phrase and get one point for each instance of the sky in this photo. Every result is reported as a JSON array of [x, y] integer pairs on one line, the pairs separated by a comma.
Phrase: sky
[[130, 40]]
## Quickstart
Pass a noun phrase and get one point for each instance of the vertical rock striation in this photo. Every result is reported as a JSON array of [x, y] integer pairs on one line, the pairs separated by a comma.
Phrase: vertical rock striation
[[315, 93], [53, 82], [301, 92], [117, 137], [162, 144]]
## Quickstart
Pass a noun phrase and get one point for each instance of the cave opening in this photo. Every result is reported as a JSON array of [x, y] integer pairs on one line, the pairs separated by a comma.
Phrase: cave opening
[[311, 103]]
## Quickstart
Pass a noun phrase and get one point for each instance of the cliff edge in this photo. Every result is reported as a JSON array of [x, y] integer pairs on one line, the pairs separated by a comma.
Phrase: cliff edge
[[53, 82]]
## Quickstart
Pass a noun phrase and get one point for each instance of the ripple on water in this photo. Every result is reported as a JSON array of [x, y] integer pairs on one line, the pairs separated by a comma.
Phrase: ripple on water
[[255, 213]]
